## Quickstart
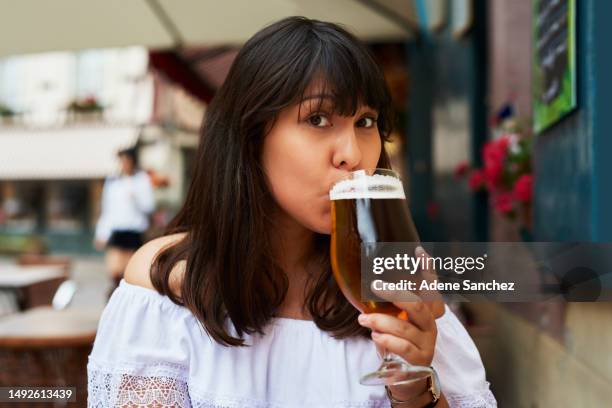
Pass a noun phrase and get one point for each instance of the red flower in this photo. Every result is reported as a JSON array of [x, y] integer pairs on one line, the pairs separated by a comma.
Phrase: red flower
[[492, 174], [496, 150], [461, 169], [494, 154], [503, 202], [523, 188], [476, 180]]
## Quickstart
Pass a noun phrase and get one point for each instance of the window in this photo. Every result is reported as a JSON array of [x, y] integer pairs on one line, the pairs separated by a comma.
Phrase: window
[[20, 206], [66, 206]]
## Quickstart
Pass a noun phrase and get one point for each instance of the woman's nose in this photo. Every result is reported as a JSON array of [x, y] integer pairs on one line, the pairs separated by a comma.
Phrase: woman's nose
[[347, 154]]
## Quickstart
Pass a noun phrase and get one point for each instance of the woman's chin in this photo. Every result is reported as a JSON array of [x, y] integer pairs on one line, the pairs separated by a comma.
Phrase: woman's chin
[[324, 231], [323, 226]]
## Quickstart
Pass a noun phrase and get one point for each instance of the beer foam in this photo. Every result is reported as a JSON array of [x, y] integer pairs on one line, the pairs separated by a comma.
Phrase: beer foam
[[377, 186]]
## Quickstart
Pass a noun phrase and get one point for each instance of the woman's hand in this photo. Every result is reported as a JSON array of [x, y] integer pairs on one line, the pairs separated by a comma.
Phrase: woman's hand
[[413, 339]]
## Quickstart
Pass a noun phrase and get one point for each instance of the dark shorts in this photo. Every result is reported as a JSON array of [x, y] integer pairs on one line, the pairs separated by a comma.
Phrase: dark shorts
[[125, 239]]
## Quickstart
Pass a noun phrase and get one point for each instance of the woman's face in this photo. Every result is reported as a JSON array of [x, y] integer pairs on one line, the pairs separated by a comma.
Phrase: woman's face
[[309, 148]]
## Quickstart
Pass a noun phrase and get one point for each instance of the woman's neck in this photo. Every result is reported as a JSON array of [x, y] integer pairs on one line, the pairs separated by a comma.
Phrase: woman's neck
[[294, 249]]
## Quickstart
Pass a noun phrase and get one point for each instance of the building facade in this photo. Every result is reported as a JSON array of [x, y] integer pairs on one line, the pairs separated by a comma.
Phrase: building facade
[[66, 116]]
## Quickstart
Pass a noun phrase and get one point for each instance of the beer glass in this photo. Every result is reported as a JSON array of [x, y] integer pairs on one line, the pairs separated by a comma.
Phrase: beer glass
[[369, 206]]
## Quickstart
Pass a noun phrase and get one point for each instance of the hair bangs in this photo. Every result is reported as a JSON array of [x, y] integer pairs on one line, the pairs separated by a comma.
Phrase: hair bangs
[[346, 73]]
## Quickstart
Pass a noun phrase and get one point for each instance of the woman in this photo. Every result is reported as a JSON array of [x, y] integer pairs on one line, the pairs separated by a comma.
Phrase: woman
[[236, 306], [127, 202]]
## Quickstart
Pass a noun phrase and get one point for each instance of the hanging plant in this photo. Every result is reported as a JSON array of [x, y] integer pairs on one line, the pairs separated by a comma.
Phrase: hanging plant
[[506, 173], [88, 104]]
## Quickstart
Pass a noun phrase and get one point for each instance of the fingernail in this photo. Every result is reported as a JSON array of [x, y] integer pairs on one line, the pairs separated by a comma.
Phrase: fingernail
[[403, 315], [363, 318], [419, 251], [375, 335]]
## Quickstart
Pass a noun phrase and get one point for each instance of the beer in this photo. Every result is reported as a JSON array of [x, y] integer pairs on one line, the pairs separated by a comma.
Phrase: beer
[[369, 206], [369, 210]]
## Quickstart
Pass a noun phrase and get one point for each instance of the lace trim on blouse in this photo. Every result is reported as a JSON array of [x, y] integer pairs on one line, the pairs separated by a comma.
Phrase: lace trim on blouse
[[137, 385], [164, 385]]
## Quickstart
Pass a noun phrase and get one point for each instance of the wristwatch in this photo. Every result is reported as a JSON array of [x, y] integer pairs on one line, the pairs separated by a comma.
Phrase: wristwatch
[[433, 387]]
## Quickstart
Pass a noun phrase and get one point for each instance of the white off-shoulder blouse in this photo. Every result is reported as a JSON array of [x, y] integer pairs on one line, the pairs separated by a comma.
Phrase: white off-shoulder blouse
[[151, 352]]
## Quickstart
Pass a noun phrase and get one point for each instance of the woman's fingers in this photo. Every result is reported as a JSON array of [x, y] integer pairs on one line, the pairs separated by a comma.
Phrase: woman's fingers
[[387, 324], [403, 347], [418, 313]]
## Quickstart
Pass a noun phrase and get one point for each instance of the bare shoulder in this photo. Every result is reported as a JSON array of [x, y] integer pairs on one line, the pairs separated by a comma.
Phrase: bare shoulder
[[139, 266]]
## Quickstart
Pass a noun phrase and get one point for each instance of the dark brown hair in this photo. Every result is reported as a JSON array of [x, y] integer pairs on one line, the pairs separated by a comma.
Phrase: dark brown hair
[[230, 268], [131, 153]]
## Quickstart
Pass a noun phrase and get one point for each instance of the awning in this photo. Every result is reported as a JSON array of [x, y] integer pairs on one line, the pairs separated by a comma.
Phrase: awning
[[83, 152], [31, 26]]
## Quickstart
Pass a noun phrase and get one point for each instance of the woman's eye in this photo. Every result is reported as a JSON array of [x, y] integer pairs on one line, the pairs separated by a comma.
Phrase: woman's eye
[[366, 122], [319, 121]]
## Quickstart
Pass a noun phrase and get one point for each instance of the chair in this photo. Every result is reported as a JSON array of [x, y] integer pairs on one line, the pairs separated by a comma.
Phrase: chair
[[43, 293], [64, 294]]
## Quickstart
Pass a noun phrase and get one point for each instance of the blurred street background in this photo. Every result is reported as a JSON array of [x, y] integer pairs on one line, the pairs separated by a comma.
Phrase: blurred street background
[[503, 134]]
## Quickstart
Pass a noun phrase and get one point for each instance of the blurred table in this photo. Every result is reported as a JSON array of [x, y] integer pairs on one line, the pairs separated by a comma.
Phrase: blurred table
[[31, 285], [44, 346], [44, 326]]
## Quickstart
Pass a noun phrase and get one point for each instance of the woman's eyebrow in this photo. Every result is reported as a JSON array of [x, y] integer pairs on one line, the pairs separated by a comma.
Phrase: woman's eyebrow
[[367, 109]]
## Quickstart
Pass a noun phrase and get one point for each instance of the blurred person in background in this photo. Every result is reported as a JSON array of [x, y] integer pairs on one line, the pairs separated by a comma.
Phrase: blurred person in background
[[127, 203]]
